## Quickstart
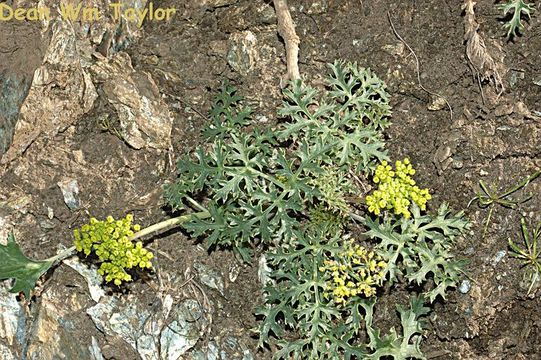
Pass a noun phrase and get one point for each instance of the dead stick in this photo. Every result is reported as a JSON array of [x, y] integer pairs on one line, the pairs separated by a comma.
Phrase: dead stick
[[286, 29], [418, 67]]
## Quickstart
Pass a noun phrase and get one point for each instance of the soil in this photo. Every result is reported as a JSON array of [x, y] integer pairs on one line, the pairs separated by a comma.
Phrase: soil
[[491, 137]]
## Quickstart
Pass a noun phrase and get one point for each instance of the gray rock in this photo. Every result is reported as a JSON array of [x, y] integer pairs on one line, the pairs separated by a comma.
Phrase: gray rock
[[465, 286], [184, 331], [52, 334], [125, 319], [263, 271], [13, 91], [5, 353], [95, 351], [242, 55], [12, 317], [22, 52], [148, 332], [209, 277], [90, 274], [498, 257], [70, 191], [145, 119], [317, 7], [62, 89], [223, 348]]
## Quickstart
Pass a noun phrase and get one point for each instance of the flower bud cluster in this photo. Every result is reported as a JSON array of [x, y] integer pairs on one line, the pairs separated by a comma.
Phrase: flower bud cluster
[[110, 241], [354, 271], [333, 187], [396, 190]]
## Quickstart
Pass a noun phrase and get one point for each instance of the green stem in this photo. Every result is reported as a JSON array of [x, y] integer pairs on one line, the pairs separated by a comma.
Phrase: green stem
[[169, 223], [196, 204], [63, 255]]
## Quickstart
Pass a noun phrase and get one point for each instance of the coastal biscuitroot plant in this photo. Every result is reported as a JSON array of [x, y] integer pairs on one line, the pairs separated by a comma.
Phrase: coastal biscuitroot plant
[[247, 187], [517, 8], [296, 192]]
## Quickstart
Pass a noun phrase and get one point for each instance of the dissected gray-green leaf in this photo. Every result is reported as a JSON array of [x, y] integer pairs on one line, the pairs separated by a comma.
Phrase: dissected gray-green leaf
[[402, 346], [258, 185], [420, 248]]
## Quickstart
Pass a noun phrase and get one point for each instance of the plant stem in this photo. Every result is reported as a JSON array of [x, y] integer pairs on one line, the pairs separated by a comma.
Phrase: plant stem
[[169, 223], [196, 204], [63, 255]]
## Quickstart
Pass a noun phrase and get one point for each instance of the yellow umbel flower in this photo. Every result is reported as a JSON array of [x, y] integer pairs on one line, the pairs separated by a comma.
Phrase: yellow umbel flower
[[354, 271], [110, 241], [396, 190]]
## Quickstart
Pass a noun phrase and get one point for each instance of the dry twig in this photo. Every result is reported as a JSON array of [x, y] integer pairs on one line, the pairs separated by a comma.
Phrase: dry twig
[[286, 29], [418, 67]]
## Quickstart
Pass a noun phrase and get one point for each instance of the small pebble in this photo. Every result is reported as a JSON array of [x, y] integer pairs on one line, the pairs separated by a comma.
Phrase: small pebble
[[70, 191], [465, 286], [457, 164], [50, 213], [498, 257]]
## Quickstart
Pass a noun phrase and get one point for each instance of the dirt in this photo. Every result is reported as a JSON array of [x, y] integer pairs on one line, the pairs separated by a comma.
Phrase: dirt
[[490, 137]]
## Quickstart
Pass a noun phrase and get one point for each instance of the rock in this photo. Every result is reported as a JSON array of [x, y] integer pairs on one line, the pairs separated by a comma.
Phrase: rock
[[61, 92], [47, 224], [5, 353], [12, 94], [145, 119], [465, 286], [50, 213], [437, 103], [95, 351], [242, 55], [504, 109], [62, 89], [70, 191], [498, 257], [457, 164], [21, 47], [233, 19], [212, 278], [90, 274], [12, 318], [125, 319], [188, 326], [225, 347], [149, 333], [234, 271], [53, 335]]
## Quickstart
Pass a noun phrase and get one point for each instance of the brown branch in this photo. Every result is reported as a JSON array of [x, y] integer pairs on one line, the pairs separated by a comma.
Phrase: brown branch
[[286, 29]]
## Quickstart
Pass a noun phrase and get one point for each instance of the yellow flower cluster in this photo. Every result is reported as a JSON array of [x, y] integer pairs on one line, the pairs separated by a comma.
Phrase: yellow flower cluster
[[355, 271], [396, 190], [110, 241]]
